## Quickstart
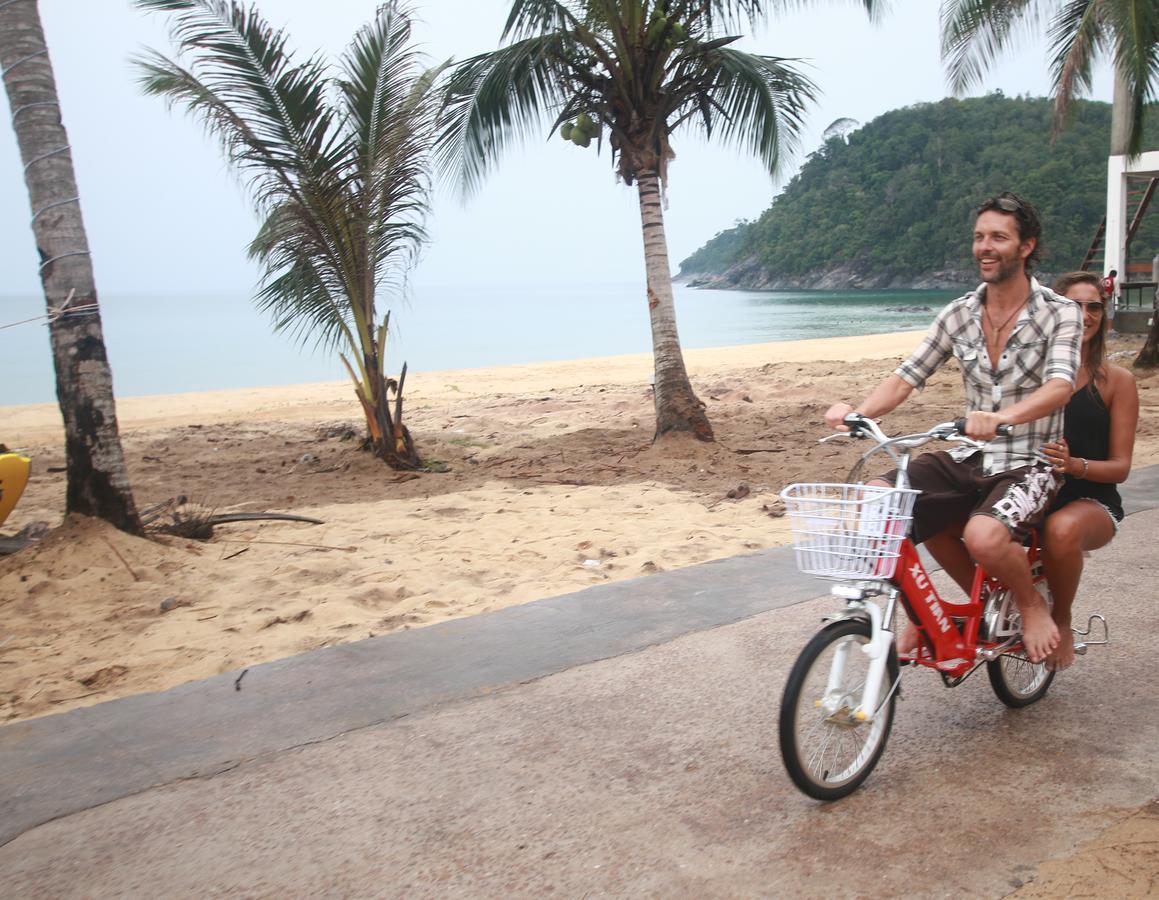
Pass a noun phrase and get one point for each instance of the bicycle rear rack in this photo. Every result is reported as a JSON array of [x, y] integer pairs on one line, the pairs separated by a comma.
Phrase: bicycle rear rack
[[1080, 647]]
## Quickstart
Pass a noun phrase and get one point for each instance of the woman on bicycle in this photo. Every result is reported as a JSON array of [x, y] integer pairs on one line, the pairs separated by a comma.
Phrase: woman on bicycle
[[1094, 456]]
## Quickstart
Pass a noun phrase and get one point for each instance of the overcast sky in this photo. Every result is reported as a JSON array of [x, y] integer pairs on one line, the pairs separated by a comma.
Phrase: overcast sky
[[164, 216]]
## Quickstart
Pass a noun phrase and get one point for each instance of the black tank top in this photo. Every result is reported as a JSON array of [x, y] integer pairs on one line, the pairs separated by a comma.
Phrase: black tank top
[[1087, 428]]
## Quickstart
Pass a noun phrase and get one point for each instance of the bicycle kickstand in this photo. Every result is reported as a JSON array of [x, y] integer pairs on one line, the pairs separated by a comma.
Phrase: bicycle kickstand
[[1080, 647]]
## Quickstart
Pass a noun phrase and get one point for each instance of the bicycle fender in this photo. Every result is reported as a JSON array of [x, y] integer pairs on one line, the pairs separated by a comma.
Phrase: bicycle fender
[[849, 612]]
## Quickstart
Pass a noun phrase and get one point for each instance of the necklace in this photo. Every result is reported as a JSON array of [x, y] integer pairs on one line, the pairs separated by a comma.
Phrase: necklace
[[998, 331]]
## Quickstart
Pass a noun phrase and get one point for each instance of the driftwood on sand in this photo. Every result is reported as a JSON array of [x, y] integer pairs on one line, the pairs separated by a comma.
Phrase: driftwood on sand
[[31, 532], [177, 516], [184, 518]]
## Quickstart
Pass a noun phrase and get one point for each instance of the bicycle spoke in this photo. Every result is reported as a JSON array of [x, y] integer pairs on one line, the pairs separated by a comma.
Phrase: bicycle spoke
[[819, 756], [837, 747], [827, 749]]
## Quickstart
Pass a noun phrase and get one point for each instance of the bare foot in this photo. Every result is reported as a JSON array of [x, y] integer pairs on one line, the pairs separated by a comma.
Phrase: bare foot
[[1039, 633], [1063, 655], [907, 641]]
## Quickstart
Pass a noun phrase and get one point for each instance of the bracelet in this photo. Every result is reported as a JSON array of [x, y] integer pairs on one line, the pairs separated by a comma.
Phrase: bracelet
[[1086, 465]]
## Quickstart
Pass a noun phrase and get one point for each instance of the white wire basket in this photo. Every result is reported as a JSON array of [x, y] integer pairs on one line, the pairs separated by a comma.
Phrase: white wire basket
[[848, 530]]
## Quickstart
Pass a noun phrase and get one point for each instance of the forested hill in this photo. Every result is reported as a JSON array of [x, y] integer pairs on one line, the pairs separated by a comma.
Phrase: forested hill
[[891, 205]]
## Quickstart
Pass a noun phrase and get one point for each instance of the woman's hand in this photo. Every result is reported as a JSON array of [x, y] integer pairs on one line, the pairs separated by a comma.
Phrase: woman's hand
[[1059, 455]]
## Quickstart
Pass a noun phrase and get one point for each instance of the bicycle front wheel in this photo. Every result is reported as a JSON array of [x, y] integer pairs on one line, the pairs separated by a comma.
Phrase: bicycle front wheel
[[827, 752]]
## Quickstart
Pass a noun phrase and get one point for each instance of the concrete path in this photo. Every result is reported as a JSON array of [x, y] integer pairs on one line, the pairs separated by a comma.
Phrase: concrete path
[[442, 761], [60, 764]]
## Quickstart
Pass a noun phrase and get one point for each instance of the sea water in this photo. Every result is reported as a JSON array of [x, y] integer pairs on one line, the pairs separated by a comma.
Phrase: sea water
[[172, 344]]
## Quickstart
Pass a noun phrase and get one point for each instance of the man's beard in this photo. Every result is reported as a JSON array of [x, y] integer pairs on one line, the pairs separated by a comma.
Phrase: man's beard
[[1008, 267]]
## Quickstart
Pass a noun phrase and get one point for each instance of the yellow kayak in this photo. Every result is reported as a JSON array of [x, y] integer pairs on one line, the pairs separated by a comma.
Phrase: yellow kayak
[[13, 477]]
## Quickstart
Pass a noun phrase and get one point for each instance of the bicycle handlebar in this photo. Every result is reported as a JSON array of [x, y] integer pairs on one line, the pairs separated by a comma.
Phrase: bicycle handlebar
[[1002, 430], [863, 427]]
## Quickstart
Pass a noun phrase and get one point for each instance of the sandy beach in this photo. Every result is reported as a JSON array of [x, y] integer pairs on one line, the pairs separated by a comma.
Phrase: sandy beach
[[548, 483]]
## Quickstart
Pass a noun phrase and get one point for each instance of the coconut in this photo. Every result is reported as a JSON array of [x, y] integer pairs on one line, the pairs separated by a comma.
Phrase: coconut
[[565, 130], [579, 138], [656, 28]]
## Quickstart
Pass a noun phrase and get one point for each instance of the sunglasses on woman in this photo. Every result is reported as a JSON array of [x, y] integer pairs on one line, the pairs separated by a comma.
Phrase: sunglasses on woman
[[1091, 306]]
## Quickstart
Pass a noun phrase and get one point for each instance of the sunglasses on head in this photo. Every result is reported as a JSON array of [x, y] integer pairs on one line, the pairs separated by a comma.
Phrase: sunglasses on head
[[1005, 201]]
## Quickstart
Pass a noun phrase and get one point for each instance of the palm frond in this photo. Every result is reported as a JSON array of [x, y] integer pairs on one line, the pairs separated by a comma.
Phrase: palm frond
[[975, 32], [495, 98], [529, 18], [727, 15], [1075, 37], [757, 102], [244, 64], [1133, 26], [270, 113], [304, 298], [611, 24], [875, 9], [388, 97]]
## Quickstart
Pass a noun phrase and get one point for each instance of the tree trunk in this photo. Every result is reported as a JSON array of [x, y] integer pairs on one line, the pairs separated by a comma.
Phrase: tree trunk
[[394, 445], [98, 484], [677, 408], [1120, 118], [1148, 357]]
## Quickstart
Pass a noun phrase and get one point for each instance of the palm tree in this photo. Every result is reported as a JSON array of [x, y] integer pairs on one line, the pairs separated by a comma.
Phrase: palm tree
[[633, 71], [97, 481], [1081, 32], [337, 168], [974, 32]]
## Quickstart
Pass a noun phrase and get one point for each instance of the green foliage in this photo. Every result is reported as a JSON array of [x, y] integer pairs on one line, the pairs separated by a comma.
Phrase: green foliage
[[897, 199], [336, 161], [976, 33], [635, 70], [725, 249]]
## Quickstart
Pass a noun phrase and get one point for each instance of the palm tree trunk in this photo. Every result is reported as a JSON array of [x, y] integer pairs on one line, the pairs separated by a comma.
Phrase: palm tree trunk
[[1120, 116], [677, 408], [394, 445], [98, 484], [1148, 357]]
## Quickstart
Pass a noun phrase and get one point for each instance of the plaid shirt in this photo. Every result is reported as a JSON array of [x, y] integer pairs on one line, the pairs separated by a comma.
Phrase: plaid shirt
[[1044, 344]]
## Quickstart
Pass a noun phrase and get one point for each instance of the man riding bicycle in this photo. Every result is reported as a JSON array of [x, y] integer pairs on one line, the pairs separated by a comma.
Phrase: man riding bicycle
[[1017, 344]]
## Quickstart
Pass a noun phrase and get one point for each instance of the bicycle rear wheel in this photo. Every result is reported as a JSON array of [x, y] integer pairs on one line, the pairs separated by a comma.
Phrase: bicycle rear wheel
[[826, 751], [1017, 681]]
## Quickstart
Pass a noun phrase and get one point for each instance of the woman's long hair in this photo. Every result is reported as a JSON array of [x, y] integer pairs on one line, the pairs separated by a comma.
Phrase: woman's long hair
[[1097, 348]]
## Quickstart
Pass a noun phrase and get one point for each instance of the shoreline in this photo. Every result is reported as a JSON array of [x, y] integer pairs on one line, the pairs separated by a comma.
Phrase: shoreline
[[38, 422]]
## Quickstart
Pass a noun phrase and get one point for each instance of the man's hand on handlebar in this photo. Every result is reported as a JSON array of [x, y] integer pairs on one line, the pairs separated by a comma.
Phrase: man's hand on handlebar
[[836, 414], [983, 426]]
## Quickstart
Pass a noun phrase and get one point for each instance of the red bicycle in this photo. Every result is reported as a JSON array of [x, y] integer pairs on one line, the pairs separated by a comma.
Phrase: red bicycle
[[838, 704]]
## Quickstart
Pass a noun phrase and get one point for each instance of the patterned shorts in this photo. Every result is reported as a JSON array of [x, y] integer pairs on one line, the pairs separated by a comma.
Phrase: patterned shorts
[[954, 491]]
